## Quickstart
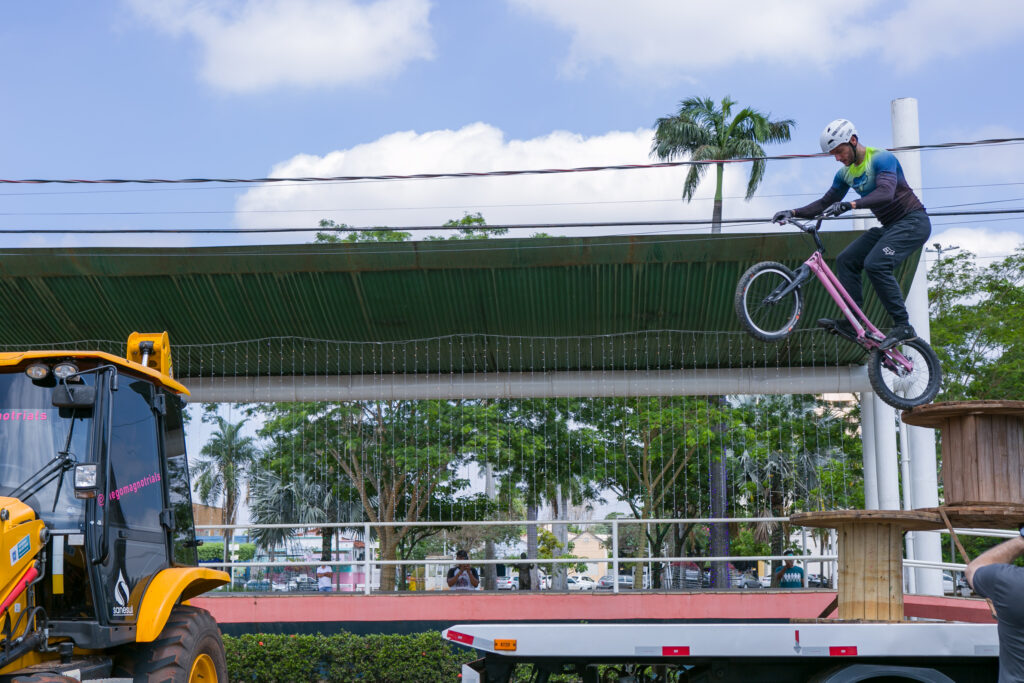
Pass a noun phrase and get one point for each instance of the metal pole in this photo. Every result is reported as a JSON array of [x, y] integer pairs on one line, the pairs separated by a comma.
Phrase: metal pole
[[367, 565], [701, 382], [615, 555], [908, 504], [923, 462], [867, 435], [887, 466]]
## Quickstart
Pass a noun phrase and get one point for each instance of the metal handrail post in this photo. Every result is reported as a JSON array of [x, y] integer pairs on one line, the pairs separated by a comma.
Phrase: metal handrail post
[[367, 565], [615, 555]]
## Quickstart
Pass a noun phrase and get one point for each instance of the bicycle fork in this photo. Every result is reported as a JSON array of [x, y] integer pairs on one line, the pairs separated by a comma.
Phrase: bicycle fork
[[802, 275]]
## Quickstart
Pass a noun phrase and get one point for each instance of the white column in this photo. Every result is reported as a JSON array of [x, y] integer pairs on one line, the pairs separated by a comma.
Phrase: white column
[[923, 463], [910, 577], [867, 436], [887, 465]]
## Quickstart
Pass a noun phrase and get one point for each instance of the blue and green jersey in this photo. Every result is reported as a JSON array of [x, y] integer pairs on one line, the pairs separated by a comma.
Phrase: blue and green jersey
[[879, 181]]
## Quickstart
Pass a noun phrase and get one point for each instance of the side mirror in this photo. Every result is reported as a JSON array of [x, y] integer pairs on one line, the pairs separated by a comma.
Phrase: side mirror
[[73, 396]]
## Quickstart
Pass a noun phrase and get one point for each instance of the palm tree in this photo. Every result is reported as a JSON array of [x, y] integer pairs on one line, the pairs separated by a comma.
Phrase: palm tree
[[222, 470], [704, 132], [300, 500]]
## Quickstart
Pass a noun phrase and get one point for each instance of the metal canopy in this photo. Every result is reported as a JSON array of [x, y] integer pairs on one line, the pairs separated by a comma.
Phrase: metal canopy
[[507, 305]]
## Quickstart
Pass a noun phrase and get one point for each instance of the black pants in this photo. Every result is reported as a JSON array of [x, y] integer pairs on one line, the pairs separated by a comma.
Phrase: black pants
[[879, 251]]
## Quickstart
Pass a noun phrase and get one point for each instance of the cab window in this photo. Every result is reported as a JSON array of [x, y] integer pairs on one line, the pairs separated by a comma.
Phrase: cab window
[[134, 493]]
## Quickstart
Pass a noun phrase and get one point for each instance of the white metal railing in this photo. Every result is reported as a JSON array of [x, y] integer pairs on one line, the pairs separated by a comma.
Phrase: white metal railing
[[615, 559]]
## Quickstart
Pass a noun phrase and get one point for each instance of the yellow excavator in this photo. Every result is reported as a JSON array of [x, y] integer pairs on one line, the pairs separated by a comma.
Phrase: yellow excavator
[[98, 551]]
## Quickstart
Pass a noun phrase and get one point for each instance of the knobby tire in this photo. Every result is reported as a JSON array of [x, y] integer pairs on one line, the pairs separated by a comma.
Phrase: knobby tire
[[190, 633], [920, 387], [762, 321]]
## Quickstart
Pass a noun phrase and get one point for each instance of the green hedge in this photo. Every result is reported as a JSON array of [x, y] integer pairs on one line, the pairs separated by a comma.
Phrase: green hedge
[[344, 657]]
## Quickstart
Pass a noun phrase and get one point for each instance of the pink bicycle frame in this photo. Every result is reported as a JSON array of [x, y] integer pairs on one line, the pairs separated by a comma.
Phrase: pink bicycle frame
[[868, 335]]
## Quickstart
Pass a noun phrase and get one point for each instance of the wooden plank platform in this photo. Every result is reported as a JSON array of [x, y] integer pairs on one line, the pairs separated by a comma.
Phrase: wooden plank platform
[[908, 520], [982, 449], [933, 414], [982, 515], [870, 546]]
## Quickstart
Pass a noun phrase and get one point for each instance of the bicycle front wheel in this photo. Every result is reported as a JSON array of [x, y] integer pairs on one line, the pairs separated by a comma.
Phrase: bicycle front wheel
[[764, 311], [901, 388]]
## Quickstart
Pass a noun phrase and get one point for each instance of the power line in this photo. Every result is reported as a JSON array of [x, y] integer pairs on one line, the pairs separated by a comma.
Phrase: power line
[[481, 174], [221, 212], [420, 228]]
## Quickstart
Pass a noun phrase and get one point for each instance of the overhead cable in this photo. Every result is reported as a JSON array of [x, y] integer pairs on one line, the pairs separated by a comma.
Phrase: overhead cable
[[420, 228], [481, 174]]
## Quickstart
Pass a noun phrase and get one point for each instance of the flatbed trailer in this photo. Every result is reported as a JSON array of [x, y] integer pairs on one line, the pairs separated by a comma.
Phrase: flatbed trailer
[[821, 651]]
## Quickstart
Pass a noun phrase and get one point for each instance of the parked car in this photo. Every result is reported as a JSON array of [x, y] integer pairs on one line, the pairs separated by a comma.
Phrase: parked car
[[302, 583], [581, 582], [956, 586], [507, 583], [607, 582], [816, 581], [279, 586], [744, 580], [257, 585]]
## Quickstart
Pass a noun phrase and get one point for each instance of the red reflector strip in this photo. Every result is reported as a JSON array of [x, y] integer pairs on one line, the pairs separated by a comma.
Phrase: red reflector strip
[[675, 651], [460, 637], [847, 651]]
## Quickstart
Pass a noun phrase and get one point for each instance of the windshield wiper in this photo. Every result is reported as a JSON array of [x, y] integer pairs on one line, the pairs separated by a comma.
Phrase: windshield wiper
[[44, 475]]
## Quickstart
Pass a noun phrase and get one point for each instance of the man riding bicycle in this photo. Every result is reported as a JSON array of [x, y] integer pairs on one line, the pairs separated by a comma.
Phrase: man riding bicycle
[[878, 178]]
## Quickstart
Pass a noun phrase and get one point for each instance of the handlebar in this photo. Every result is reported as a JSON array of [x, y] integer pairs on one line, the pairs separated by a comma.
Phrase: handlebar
[[805, 225], [808, 228]]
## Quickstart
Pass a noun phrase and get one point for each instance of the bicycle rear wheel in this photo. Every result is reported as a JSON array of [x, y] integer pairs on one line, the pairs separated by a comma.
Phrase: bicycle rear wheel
[[763, 311], [904, 389]]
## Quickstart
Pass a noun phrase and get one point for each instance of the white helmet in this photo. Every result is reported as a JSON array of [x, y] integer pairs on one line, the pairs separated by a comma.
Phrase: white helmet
[[835, 134]]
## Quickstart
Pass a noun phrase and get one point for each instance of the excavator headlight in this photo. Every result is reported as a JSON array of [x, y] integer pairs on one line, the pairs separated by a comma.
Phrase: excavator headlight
[[38, 371], [64, 369], [85, 480]]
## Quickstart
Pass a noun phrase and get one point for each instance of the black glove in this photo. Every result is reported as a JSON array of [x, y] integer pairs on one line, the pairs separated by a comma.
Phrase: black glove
[[782, 216], [838, 209]]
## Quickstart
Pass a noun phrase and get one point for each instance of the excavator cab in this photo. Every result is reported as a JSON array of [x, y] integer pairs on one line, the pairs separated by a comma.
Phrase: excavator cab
[[96, 520]]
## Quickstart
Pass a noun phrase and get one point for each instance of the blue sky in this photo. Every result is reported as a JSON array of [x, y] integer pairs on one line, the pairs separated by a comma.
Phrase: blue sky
[[250, 88]]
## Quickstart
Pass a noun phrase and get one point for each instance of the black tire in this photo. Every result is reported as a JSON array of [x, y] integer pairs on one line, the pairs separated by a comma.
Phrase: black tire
[[189, 644], [905, 391], [767, 321]]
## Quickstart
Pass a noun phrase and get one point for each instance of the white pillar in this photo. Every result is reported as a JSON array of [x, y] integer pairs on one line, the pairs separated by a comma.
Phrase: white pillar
[[887, 466], [867, 436], [923, 463], [910, 577]]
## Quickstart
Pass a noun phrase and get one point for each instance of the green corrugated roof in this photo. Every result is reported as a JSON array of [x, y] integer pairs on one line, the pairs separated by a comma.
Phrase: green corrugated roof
[[489, 291]]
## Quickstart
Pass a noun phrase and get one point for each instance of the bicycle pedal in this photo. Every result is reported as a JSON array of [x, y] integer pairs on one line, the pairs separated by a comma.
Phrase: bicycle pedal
[[833, 328]]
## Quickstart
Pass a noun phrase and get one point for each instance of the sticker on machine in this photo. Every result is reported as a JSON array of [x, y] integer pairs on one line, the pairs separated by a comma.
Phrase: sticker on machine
[[122, 596], [20, 550]]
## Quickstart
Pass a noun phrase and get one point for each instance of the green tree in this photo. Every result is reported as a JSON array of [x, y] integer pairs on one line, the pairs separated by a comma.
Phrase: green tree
[[528, 443], [222, 470], [801, 453], [646, 457], [977, 326], [704, 131]]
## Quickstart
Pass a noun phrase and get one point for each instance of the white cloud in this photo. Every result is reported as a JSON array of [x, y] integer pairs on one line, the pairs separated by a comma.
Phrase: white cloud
[[985, 243], [980, 164], [605, 196], [261, 44], [657, 37]]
